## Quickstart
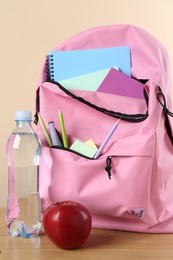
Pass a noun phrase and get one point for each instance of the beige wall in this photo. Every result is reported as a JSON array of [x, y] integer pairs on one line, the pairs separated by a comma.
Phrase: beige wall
[[29, 29]]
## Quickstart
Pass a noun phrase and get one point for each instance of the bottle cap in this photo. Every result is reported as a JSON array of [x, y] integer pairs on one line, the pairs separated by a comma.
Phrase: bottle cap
[[23, 115]]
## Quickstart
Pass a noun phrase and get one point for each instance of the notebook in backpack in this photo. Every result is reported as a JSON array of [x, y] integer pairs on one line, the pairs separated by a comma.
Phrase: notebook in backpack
[[130, 186]]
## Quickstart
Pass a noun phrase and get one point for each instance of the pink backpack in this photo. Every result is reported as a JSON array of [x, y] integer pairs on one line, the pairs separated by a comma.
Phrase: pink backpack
[[130, 186]]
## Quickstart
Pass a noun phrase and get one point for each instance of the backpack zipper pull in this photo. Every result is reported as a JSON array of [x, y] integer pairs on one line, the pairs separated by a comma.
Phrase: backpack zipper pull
[[108, 166]]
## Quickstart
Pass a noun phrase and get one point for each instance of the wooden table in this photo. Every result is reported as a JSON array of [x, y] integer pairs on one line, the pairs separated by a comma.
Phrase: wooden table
[[101, 245]]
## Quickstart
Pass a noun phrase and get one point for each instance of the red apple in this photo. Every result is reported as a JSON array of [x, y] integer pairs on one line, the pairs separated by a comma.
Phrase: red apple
[[67, 224]]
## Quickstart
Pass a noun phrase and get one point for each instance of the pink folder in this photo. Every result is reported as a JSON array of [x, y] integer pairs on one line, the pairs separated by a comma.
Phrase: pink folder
[[118, 83]]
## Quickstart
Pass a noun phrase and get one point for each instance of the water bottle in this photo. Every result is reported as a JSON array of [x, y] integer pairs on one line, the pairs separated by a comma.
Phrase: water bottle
[[23, 214]]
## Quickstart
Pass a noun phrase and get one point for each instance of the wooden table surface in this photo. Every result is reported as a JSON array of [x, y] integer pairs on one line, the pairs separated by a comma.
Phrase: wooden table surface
[[101, 244]]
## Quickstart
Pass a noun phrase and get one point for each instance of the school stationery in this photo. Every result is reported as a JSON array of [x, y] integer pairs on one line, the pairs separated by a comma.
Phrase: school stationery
[[130, 186], [54, 135], [44, 129], [68, 64], [106, 140], [118, 83], [91, 143], [83, 148], [63, 131], [89, 81]]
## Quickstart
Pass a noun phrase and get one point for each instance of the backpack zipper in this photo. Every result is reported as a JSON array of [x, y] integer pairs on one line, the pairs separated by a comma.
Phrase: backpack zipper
[[108, 166], [71, 151], [108, 158], [127, 117]]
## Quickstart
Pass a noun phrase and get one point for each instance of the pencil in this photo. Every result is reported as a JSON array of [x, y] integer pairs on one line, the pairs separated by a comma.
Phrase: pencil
[[106, 139], [63, 132], [44, 129]]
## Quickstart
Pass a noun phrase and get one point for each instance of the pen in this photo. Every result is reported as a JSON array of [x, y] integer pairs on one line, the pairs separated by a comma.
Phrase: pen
[[54, 135], [97, 154], [44, 129], [64, 137]]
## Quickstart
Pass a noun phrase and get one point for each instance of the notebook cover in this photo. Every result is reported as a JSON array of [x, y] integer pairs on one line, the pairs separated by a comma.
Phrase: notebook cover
[[73, 63], [118, 83]]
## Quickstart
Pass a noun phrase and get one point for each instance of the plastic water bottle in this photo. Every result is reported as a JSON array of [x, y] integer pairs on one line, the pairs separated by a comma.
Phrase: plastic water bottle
[[23, 215]]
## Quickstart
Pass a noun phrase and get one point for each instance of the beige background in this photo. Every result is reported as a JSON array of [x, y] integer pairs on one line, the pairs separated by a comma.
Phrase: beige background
[[29, 29]]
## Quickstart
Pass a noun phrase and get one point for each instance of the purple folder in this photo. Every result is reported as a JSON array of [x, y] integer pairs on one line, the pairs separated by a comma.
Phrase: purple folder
[[118, 83]]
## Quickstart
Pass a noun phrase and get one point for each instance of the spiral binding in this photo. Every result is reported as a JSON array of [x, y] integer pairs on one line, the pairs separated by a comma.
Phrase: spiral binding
[[50, 67]]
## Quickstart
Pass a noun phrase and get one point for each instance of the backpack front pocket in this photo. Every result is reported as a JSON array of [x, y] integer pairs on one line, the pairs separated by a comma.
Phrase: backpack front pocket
[[129, 196]]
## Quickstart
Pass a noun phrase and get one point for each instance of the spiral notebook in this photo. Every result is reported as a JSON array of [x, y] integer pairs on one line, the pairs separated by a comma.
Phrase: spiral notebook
[[72, 63]]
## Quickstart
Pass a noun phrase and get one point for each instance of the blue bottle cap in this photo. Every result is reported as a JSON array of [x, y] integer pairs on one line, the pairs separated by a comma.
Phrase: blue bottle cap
[[23, 115]]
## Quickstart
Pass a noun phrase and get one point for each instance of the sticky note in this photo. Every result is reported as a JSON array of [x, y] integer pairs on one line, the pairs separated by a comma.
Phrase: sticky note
[[91, 143], [83, 148]]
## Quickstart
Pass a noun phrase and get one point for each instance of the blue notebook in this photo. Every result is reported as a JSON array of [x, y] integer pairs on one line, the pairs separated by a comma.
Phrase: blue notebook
[[73, 63]]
